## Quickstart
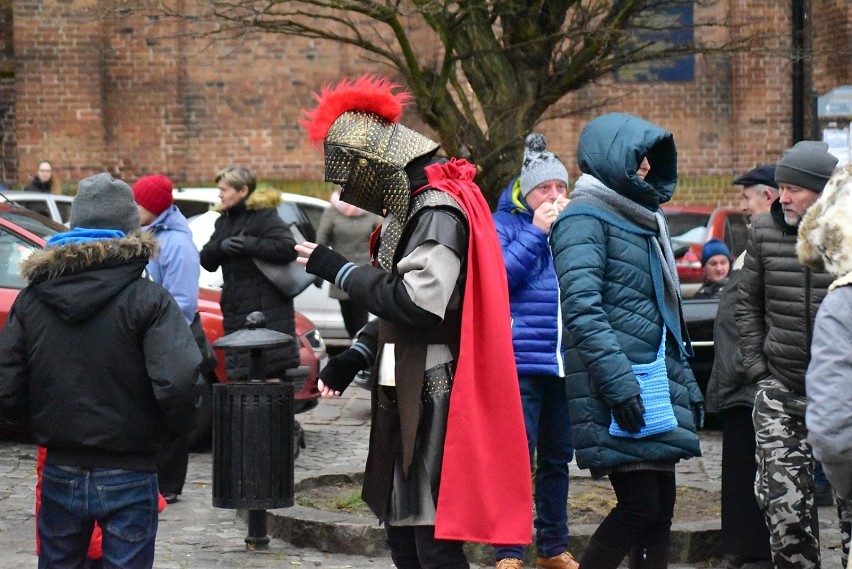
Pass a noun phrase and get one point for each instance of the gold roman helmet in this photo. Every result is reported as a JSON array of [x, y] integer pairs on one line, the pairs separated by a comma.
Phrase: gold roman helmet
[[366, 149]]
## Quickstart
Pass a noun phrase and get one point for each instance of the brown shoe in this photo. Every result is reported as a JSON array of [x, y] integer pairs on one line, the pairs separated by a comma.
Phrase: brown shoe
[[562, 561], [510, 563]]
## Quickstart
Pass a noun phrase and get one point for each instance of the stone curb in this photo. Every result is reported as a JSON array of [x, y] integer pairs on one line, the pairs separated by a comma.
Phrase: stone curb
[[351, 534]]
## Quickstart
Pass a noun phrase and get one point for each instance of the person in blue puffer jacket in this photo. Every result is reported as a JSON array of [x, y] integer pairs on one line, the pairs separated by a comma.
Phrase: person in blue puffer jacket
[[526, 210], [621, 305]]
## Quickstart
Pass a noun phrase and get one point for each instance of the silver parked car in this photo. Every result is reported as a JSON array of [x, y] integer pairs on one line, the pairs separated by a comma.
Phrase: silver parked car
[[54, 206]]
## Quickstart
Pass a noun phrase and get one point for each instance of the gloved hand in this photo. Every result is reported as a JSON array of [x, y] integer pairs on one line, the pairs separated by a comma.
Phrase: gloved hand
[[232, 245], [325, 263], [628, 414], [698, 414], [340, 370]]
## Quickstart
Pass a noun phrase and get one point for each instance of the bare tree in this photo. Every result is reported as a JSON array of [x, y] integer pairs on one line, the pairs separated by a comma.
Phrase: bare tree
[[483, 73]]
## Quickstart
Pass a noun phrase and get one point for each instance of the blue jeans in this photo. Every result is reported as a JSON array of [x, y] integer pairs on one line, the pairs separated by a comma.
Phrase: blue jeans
[[549, 438], [123, 502]]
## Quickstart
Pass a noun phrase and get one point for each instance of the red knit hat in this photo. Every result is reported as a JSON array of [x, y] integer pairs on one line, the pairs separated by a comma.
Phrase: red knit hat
[[154, 193]]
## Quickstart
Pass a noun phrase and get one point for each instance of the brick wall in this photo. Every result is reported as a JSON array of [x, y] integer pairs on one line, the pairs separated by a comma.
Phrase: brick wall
[[134, 97], [8, 153]]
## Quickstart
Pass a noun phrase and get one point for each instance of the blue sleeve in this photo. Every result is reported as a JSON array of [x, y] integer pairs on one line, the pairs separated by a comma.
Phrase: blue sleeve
[[178, 271], [522, 244]]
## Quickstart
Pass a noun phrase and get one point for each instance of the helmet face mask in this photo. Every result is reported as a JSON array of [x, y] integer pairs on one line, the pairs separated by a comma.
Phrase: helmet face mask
[[367, 155]]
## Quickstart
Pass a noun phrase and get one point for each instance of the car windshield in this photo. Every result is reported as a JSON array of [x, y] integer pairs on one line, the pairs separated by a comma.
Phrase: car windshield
[[32, 222]]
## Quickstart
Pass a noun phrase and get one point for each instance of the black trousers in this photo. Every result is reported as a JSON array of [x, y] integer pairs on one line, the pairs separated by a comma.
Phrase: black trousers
[[172, 462], [355, 316], [643, 514], [744, 532], [415, 547]]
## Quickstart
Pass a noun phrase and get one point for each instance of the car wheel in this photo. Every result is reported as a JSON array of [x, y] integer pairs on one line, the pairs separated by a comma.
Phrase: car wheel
[[201, 437]]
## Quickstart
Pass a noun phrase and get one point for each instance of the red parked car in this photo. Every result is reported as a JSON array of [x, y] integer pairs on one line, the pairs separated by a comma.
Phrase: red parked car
[[692, 226], [23, 231]]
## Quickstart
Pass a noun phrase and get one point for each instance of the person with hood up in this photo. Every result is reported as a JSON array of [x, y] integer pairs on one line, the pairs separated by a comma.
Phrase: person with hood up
[[100, 363], [347, 229], [251, 227], [446, 414], [633, 401], [176, 268], [526, 210], [825, 243]]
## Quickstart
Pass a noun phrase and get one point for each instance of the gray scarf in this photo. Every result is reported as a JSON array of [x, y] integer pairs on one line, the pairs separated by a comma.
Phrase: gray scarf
[[589, 190]]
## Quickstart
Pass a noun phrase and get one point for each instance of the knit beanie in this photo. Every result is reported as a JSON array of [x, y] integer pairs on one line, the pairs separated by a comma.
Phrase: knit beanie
[[808, 165], [102, 202], [154, 193], [539, 165], [712, 248]]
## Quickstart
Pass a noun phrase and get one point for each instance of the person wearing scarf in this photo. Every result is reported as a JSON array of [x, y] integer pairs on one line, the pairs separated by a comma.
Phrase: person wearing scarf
[[621, 307]]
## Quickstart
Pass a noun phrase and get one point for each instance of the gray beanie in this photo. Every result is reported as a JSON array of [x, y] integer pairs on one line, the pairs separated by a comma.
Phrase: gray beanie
[[808, 165], [539, 165], [102, 202]]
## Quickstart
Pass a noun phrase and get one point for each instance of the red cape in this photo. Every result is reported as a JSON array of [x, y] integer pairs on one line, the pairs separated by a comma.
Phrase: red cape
[[486, 490]]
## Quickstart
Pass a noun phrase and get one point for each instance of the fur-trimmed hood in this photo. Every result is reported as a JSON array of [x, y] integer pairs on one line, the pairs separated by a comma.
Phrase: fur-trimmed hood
[[259, 199], [825, 234], [77, 278]]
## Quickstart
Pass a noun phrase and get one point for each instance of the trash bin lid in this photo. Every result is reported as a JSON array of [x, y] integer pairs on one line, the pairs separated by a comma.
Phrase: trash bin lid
[[257, 338], [254, 335]]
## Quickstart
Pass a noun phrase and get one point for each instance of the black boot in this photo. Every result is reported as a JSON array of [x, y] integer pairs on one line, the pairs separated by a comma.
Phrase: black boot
[[600, 556], [636, 557], [656, 555]]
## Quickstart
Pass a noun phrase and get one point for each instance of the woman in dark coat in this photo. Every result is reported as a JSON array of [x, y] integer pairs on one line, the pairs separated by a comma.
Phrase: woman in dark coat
[[250, 227], [621, 306]]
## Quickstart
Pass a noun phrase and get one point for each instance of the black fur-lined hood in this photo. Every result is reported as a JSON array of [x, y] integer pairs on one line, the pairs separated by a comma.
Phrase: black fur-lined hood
[[78, 278]]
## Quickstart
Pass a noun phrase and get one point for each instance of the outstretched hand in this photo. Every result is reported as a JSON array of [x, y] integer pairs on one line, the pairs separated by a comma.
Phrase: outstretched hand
[[304, 250]]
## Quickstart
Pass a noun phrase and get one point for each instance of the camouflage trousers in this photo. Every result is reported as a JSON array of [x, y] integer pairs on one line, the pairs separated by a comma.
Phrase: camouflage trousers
[[784, 485]]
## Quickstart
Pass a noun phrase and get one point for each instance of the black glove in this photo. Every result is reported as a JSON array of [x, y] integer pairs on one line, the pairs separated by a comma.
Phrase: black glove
[[340, 370], [628, 414], [698, 415], [325, 263], [232, 245]]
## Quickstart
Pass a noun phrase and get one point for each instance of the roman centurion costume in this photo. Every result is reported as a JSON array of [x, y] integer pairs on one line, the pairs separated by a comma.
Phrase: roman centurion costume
[[446, 406]]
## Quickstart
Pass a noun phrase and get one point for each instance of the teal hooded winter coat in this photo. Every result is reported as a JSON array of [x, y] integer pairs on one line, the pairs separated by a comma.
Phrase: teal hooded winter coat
[[607, 292]]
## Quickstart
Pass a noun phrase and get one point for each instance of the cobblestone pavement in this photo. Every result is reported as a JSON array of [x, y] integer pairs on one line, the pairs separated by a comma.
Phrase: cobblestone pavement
[[193, 534]]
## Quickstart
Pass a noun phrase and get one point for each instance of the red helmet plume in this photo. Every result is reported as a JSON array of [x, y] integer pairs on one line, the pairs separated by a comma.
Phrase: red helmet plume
[[368, 93]]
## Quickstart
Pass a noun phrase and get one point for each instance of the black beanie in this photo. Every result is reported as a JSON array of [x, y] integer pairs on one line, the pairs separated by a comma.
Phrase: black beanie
[[808, 165]]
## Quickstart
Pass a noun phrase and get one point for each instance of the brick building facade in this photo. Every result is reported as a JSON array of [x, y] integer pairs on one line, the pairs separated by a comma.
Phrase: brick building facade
[[129, 96]]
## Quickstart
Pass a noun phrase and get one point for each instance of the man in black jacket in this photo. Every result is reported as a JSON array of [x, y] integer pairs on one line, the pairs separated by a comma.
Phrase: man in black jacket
[[101, 365], [745, 538], [778, 300]]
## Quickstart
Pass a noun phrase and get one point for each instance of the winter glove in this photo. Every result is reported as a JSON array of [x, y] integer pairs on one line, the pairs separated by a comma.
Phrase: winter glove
[[628, 414], [232, 245], [326, 263], [340, 370], [698, 414]]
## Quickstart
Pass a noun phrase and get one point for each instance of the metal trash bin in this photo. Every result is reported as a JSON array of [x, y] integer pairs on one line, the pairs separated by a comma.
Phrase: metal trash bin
[[253, 443]]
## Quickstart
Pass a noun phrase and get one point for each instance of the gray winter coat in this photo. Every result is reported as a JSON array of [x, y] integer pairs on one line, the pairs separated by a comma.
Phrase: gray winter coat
[[829, 379]]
